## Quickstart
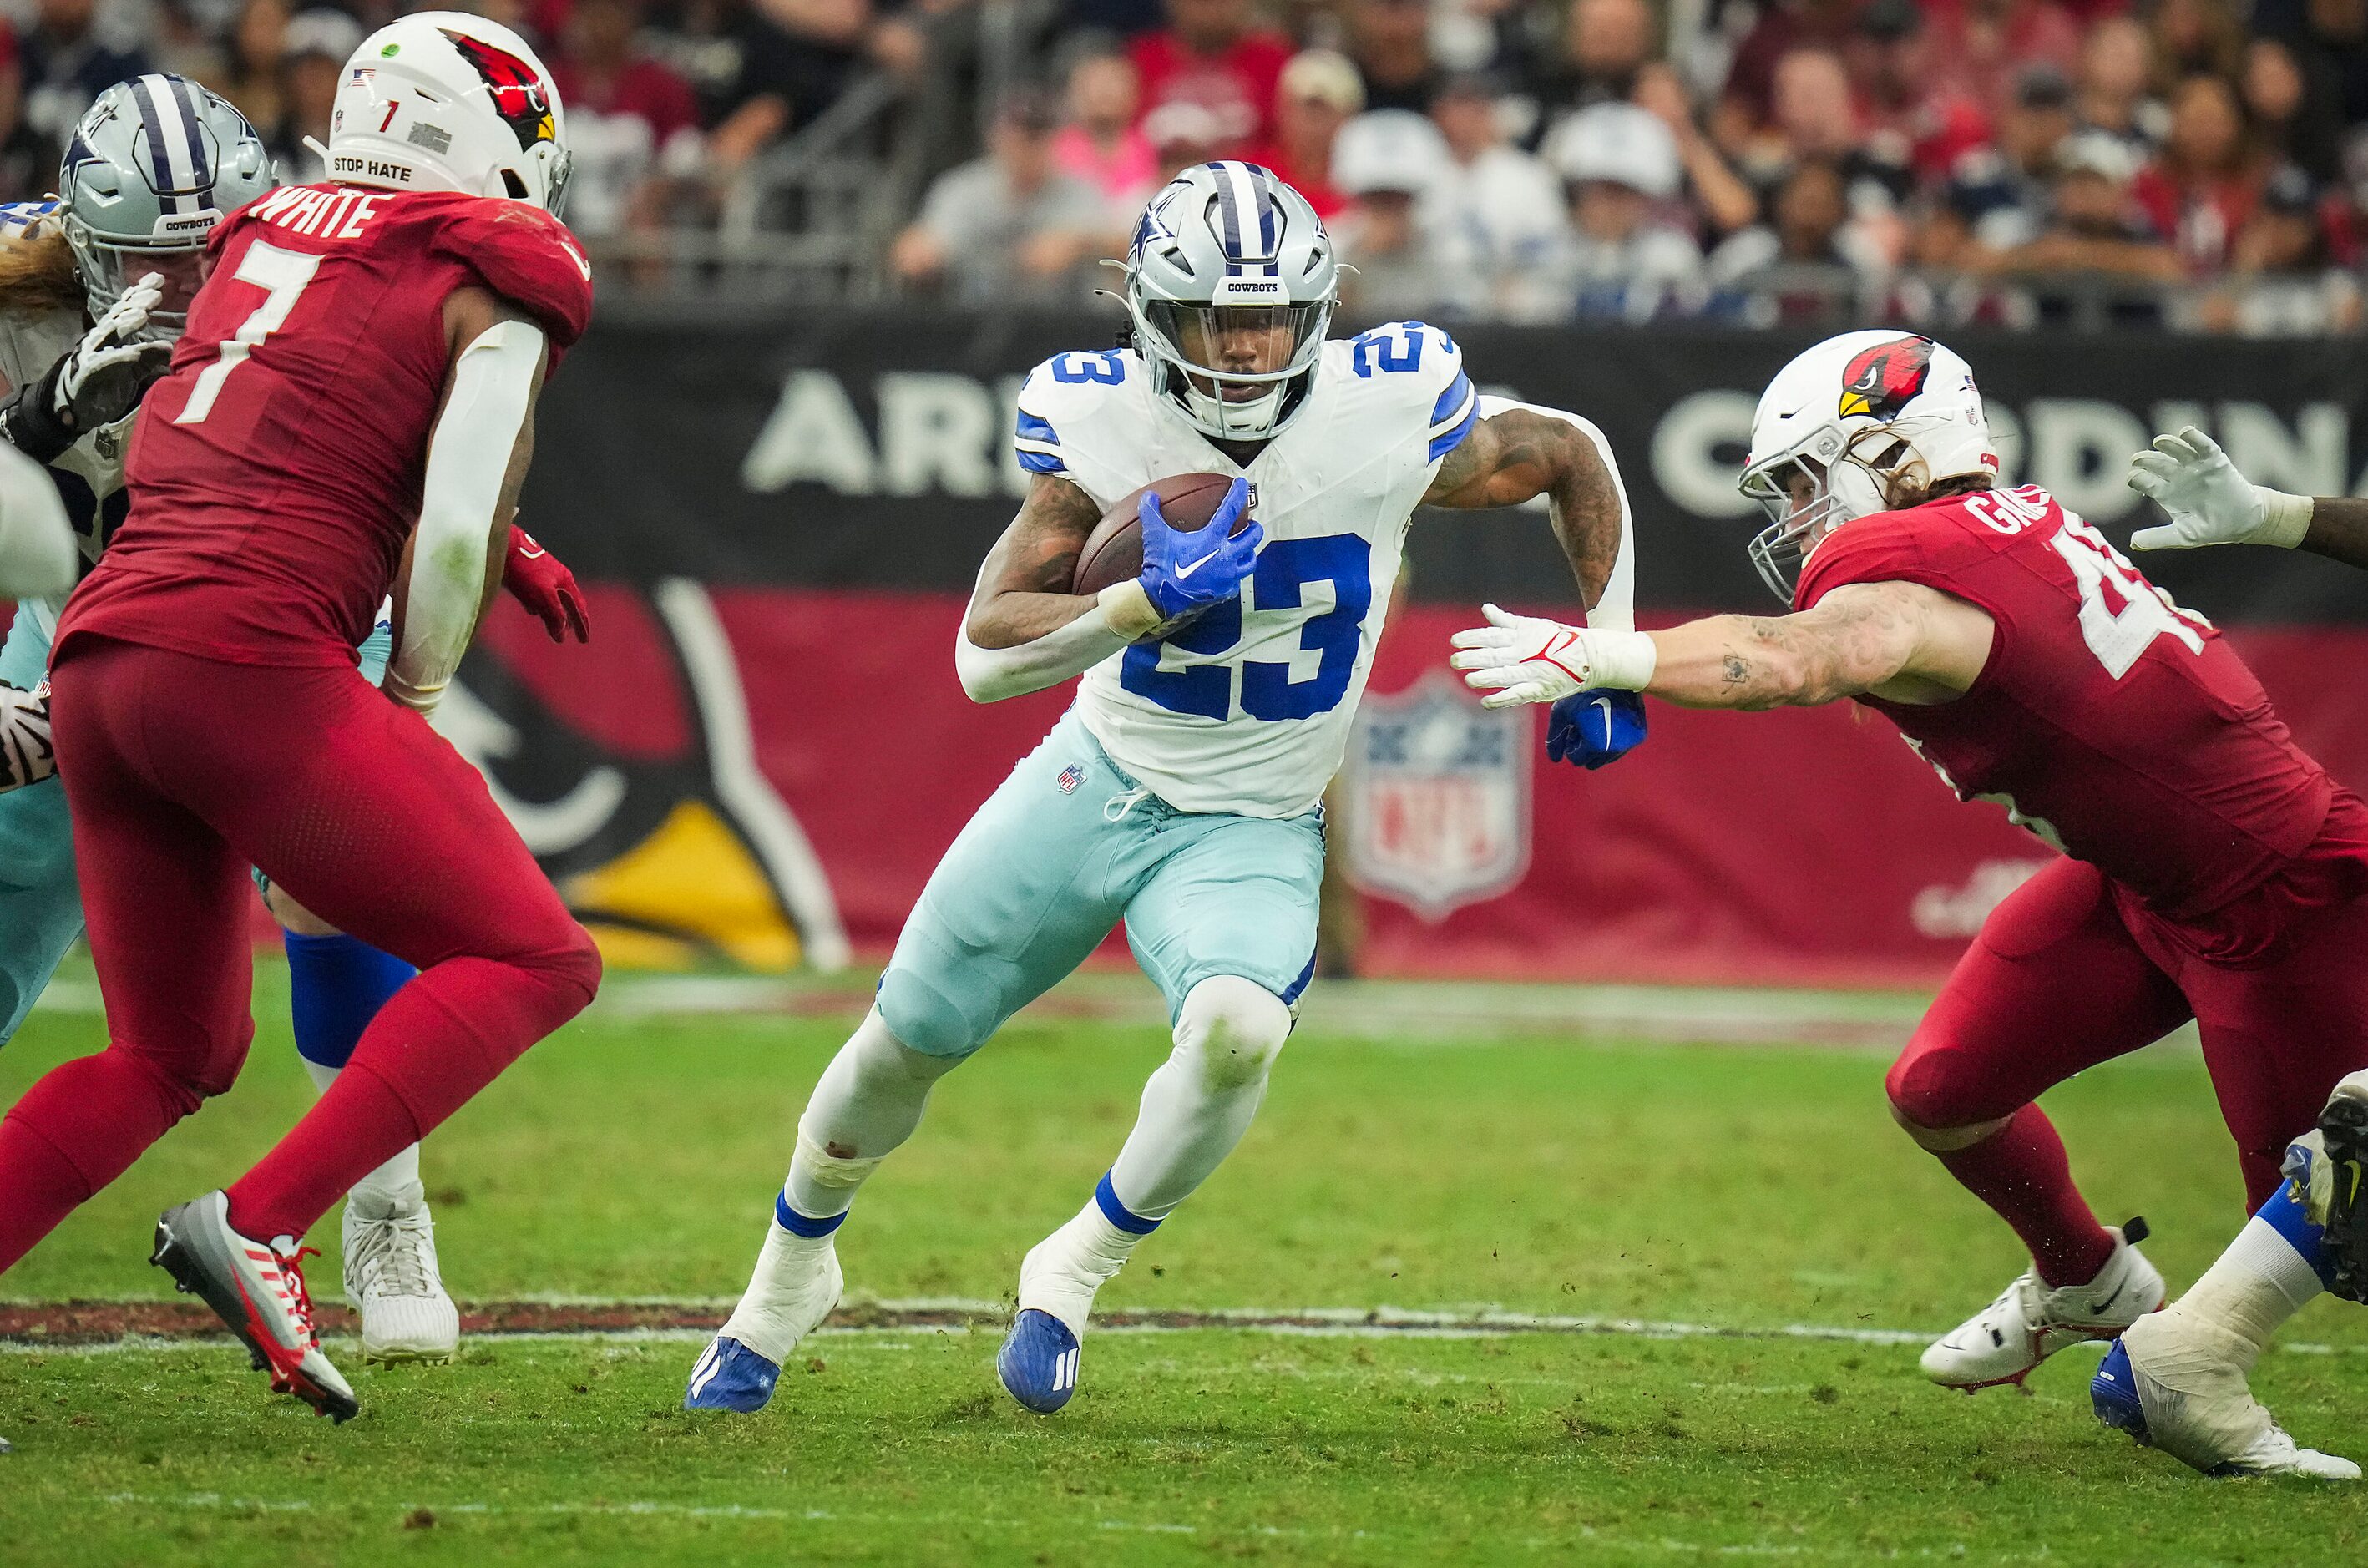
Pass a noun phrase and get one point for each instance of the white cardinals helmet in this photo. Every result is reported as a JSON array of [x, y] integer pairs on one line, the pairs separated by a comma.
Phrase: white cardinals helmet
[[1875, 419], [444, 101]]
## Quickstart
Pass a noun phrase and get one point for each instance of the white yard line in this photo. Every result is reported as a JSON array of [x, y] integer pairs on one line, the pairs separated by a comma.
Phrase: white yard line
[[935, 1314]]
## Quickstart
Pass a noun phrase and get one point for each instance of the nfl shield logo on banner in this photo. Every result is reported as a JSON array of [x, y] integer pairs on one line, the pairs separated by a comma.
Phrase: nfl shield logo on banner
[[1438, 798]]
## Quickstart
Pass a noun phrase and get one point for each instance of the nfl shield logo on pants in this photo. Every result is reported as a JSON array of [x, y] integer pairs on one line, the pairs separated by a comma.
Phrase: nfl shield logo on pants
[[1438, 798]]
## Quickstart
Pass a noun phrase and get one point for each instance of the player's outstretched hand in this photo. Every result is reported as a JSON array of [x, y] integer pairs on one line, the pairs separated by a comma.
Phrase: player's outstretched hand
[[2208, 502], [104, 376], [1523, 658], [1592, 729], [1184, 572], [541, 582]]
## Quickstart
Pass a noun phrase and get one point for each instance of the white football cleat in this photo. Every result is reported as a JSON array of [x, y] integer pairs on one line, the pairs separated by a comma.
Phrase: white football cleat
[[2030, 1321], [393, 1281], [2177, 1383]]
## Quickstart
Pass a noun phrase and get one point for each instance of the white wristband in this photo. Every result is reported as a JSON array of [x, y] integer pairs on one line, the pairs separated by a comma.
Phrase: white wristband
[[1622, 660], [2285, 518]]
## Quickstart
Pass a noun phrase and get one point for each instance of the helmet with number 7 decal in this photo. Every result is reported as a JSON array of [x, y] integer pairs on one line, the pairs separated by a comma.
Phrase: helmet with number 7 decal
[[1872, 420], [1232, 282], [440, 100]]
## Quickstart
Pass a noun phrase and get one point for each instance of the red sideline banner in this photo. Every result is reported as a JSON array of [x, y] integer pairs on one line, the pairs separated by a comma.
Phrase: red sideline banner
[[771, 774]]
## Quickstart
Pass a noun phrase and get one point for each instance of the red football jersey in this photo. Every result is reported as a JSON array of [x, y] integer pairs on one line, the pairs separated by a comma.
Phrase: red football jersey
[[2110, 721], [276, 471]]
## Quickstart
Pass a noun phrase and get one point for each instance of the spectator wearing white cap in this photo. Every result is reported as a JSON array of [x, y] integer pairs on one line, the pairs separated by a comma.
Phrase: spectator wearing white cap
[[1389, 164], [1626, 260], [1319, 92], [1500, 218]]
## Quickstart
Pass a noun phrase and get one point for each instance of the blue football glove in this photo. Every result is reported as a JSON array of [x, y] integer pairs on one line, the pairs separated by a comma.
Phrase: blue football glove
[[1186, 573], [1589, 728]]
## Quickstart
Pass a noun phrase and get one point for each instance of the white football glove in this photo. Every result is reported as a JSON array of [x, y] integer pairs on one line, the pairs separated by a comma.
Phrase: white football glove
[[1523, 658], [2210, 503], [25, 757], [102, 379]]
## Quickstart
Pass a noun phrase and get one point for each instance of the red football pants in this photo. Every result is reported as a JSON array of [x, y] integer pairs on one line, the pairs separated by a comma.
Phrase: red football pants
[[2059, 980], [182, 772]]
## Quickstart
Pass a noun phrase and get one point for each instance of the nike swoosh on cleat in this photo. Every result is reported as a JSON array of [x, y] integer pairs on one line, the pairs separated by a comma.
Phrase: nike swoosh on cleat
[[2106, 1304], [1184, 572]]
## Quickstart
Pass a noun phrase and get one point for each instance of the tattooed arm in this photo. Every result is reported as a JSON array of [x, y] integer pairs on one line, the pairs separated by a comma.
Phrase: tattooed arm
[[1025, 630], [1901, 640], [1518, 451]]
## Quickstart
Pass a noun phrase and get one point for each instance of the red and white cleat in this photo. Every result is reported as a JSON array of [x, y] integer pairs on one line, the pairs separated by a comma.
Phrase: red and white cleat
[[258, 1290], [2030, 1321]]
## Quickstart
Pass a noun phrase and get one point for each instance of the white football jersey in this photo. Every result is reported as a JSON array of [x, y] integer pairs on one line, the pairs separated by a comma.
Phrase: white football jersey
[[1248, 709], [89, 472]]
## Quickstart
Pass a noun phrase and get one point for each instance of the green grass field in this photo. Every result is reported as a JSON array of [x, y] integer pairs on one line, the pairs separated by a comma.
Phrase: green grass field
[[1498, 1150]]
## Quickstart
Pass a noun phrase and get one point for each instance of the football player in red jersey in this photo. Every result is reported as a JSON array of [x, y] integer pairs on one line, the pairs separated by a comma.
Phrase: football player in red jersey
[[2212, 869], [350, 410]]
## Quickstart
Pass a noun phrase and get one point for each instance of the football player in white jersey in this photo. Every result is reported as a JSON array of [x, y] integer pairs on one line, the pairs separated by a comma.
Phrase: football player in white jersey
[[1181, 792]]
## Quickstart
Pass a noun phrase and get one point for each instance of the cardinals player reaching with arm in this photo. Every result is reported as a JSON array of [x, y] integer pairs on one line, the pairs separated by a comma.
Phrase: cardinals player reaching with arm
[[362, 363], [2214, 870]]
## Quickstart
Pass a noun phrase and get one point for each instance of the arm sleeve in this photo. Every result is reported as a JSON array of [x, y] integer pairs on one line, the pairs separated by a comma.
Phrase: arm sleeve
[[467, 459], [38, 558], [990, 675], [1616, 610]]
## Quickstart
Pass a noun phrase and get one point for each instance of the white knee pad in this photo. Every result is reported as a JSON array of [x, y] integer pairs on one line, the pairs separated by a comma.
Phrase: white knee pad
[[1948, 1139], [1234, 1028]]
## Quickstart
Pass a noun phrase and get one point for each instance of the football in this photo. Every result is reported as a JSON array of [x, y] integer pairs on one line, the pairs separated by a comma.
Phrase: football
[[1113, 551]]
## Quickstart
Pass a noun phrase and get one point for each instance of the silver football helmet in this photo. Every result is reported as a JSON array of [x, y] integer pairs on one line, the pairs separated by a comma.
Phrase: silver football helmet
[[153, 166], [1232, 282]]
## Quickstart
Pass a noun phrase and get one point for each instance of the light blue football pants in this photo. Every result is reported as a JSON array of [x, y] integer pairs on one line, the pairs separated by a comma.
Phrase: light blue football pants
[[40, 903], [1060, 852]]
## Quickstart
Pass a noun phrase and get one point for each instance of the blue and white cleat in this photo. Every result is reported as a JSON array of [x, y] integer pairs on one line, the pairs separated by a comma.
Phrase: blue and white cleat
[[730, 1376], [2170, 1382], [1038, 1362], [796, 1284]]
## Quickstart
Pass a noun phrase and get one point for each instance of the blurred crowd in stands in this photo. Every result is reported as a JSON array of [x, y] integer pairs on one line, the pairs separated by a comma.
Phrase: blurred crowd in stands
[[2196, 163], [2004, 162]]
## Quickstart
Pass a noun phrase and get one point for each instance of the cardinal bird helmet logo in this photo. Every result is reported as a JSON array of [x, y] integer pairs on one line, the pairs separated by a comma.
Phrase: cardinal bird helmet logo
[[519, 95], [1881, 381]]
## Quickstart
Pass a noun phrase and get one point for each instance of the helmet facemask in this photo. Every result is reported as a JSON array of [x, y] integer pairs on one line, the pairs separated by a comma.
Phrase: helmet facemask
[[1871, 469], [111, 263], [1199, 350]]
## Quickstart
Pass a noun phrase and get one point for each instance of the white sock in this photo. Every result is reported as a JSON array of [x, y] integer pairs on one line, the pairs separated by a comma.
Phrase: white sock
[[2252, 1289], [870, 1100], [392, 1188], [1199, 1102], [1061, 1272]]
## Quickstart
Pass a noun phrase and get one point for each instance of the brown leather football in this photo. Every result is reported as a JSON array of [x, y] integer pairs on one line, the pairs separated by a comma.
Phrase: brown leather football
[[1113, 551]]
